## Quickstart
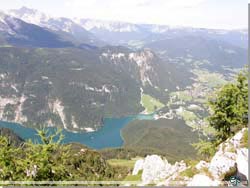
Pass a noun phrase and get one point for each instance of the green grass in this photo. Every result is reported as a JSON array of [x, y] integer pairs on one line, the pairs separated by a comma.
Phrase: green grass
[[189, 172], [134, 178], [232, 149], [122, 162], [182, 95], [191, 162], [190, 118], [188, 115], [150, 104], [244, 140], [129, 153], [126, 165], [206, 171]]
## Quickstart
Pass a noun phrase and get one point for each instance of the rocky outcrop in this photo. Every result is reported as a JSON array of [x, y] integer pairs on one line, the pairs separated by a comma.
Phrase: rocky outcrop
[[138, 167], [242, 161], [202, 180], [155, 169], [227, 155], [230, 158], [221, 163], [201, 165]]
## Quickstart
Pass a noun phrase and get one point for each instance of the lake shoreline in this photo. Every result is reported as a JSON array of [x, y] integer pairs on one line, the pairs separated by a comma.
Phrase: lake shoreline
[[108, 136]]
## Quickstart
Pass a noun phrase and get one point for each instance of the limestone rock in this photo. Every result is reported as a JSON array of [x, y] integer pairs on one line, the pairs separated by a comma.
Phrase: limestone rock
[[202, 164], [221, 163], [138, 166], [228, 154], [202, 180], [158, 171], [242, 161], [236, 138], [154, 169]]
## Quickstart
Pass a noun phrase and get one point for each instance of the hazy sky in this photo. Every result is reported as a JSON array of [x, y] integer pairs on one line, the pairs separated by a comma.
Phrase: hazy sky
[[225, 14]]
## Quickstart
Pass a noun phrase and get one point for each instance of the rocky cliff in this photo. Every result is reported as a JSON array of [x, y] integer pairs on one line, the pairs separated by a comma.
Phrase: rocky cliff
[[231, 159]]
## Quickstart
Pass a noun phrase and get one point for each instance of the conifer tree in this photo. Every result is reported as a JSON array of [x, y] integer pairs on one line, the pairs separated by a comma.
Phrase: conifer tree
[[230, 108]]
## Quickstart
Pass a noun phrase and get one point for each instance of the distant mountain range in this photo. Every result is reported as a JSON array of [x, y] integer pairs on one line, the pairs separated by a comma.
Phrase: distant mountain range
[[116, 33], [217, 54], [72, 73]]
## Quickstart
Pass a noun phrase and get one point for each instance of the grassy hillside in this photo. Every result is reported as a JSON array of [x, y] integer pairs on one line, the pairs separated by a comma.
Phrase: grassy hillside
[[128, 153], [172, 137], [64, 87], [122, 162], [150, 104]]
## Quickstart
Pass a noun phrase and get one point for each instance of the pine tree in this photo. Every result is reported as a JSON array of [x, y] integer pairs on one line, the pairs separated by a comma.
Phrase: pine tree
[[230, 108]]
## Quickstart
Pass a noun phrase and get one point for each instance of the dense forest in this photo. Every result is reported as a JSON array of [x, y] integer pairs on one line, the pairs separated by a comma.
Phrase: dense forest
[[50, 160]]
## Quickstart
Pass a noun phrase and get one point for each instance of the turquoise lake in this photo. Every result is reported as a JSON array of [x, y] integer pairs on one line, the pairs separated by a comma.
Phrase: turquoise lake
[[106, 137]]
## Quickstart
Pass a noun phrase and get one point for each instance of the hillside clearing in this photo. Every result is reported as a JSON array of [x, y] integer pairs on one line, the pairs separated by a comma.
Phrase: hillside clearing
[[150, 104]]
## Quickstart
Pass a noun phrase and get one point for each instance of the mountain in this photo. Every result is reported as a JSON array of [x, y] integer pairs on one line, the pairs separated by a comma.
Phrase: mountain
[[14, 31], [237, 38], [97, 83], [63, 26], [98, 32], [214, 54], [113, 32]]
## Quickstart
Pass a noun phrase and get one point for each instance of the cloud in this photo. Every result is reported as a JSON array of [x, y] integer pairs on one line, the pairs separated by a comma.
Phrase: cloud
[[124, 4], [128, 10], [183, 4]]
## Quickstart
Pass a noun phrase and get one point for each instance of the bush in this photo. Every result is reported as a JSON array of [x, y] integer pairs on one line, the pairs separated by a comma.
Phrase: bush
[[34, 162], [50, 160], [205, 149], [9, 163], [189, 172]]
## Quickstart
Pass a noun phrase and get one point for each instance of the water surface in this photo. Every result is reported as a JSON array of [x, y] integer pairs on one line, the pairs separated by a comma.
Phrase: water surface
[[107, 136]]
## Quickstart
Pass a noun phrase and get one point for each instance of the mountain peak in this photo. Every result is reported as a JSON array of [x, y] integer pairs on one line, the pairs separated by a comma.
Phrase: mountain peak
[[29, 15], [23, 11], [26, 10], [115, 26]]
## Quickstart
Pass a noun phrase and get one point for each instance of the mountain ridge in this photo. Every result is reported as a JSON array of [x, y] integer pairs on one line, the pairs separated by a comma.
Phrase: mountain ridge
[[33, 92], [118, 32]]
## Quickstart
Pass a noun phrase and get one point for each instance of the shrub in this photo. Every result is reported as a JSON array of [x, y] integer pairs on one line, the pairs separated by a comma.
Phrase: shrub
[[189, 172], [50, 160], [9, 161], [205, 149]]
